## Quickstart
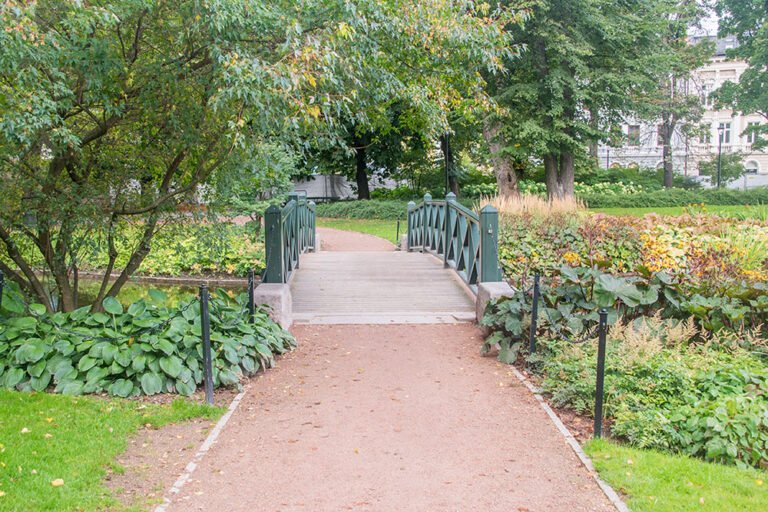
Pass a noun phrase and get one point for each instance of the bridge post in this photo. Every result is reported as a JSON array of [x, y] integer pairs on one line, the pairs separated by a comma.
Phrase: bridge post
[[296, 228], [450, 198], [489, 245], [411, 207], [424, 217], [313, 225], [273, 246]]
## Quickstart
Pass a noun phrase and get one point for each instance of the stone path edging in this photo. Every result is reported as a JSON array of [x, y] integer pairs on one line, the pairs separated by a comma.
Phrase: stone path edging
[[190, 468], [609, 492]]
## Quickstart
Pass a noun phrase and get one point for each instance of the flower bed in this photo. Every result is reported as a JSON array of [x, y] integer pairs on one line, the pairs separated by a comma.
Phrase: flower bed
[[688, 306]]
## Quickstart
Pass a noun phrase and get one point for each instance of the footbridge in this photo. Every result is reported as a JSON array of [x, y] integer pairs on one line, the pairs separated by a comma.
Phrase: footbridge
[[444, 271]]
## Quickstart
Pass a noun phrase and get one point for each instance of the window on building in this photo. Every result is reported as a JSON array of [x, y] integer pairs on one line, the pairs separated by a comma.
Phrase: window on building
[[724, 131], [705, 90], [751, 167], [633, 135], [751, 135], [660, 135]]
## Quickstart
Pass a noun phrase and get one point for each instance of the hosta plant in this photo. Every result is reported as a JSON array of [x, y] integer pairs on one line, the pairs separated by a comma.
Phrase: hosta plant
[[144, 349]]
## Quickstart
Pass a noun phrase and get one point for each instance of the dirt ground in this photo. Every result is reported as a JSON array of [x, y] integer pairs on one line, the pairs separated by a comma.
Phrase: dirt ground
[[155, 457], [389, 418], [153, 461], [338, 240]]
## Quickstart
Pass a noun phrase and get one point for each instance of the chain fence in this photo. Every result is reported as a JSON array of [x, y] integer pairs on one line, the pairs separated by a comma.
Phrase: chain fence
[[599, 330]]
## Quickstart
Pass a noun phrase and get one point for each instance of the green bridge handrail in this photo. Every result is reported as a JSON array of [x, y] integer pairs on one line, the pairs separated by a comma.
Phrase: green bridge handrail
[[472, 247], [289, 232]]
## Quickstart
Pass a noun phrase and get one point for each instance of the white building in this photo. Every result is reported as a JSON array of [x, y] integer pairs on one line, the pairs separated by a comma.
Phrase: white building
[[642, 145]]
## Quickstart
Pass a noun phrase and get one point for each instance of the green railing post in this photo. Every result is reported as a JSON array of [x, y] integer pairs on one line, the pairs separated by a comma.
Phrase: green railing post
[[450, 198], [489, 245], [411, 207], [313, 224], [296, 228], [273, 242], [424, 217]]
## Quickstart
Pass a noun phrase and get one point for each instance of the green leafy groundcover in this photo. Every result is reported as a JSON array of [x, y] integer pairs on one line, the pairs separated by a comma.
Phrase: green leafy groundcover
[[701, 403], [144, 349], [684, 373]]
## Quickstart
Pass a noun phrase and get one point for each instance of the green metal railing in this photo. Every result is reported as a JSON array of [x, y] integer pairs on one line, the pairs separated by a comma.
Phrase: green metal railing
[[288, 233], [467, 242]]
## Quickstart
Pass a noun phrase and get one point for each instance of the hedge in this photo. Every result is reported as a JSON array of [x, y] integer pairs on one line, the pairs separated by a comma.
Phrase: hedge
[[678, 197], [373, 209]]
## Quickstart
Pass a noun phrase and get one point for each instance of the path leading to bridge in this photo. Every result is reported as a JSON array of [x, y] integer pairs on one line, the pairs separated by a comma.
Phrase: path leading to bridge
[[389, 418]]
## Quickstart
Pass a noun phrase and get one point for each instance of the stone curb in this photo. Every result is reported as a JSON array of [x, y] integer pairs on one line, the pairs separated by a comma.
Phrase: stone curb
[[611, 494], [190, 468]]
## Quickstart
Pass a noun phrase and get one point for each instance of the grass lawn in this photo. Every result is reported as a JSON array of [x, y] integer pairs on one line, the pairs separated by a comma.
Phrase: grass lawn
[[46, 439], [386, 229], [757, 212], [659, 482]]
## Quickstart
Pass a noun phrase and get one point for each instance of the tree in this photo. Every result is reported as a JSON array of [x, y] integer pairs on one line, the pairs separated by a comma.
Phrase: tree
[[569, 88], [731, 167], [748, 21], [117, 112], [673, 99]]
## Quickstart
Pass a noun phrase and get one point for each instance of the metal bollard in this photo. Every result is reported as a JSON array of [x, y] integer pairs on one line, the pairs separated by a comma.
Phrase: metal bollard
[[251, 305], [534, 315], [397, 236], [602, 328], [205, 324]]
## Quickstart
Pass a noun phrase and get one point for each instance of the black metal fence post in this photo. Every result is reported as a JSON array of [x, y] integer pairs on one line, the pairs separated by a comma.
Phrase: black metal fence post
[[603, 326], [251, 305], [205, 324], [397, 235], [2, 287], [534, 314]]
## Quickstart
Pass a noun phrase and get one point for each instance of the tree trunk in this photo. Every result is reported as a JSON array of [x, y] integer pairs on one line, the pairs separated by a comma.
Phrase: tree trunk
[[567, 173], [449, 166], [361, 173], [503, 167], [668, 129], [552, 177], [559, 175]]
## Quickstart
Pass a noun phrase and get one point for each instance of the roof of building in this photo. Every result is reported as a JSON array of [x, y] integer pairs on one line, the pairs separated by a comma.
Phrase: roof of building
[[722, 44]]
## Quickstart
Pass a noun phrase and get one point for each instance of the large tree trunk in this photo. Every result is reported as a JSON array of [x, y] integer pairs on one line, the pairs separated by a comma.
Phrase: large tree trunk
[[361, 172], [503, 167], [559, 175]]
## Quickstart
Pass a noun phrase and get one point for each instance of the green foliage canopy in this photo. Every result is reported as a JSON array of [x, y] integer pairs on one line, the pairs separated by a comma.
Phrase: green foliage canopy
[[120, 110], [748, 21]]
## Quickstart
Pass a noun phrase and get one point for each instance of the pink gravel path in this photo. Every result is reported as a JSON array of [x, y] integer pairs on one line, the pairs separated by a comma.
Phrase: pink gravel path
[[338, 240], [389, 418]]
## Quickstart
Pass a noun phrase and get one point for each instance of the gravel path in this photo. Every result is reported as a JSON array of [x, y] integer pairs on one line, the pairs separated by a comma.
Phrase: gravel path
[[338, 240], [390, 418]]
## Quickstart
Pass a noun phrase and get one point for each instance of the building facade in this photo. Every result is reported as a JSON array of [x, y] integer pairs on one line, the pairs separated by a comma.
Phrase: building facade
[[642, 145]]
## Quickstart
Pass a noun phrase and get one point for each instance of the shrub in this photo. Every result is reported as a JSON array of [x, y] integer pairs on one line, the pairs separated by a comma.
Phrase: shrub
[[401, 193], [177, 248], [146, 348]]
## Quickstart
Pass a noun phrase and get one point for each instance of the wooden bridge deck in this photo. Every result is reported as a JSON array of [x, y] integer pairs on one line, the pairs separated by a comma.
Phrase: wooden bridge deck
[[378, 288]]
